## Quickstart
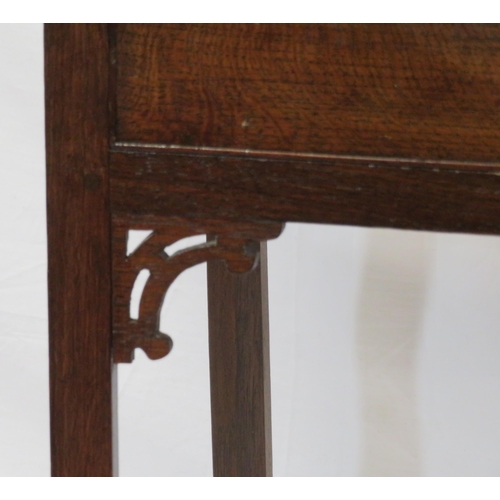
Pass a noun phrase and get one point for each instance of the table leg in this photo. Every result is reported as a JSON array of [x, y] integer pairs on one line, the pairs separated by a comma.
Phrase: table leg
[[82, 376], [239, 369]]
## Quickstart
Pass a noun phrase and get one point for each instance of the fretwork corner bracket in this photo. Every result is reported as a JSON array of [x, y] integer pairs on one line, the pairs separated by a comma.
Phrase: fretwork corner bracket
[[236, 243]]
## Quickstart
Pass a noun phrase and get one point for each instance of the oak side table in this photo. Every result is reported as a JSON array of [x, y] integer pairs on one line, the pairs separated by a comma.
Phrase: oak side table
[[230, 131]]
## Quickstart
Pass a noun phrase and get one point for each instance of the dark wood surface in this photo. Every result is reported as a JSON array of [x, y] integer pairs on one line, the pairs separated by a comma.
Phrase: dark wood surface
[[432, 196], [239, 369], [371, 125], [236, 245], [82, 378], [427, 91]]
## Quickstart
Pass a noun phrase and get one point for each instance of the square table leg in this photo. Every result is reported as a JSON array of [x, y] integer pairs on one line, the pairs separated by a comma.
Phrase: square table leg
[[239, 369], [82, 375]]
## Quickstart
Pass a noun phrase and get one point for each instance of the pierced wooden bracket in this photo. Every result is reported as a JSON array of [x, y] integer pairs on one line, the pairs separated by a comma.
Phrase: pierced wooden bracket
[[237, 243]]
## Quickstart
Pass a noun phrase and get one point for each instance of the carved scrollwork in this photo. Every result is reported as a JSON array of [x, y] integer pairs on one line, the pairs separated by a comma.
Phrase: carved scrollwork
[[235, 243]]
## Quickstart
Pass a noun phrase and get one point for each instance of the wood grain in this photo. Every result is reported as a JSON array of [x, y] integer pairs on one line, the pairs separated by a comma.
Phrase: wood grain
[[82, 378], [226, 125], [239, 370], [427, 91], [407, 195], [235, 244]]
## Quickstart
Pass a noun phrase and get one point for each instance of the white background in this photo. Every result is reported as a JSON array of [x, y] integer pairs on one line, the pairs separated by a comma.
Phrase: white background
[[385, 344]]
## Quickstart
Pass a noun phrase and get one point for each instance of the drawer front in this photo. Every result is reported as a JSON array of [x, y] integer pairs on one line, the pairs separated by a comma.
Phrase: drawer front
[[394, 90]]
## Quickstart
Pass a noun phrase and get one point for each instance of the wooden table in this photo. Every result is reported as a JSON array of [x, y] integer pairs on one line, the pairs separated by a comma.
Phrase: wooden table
[[231, 131]]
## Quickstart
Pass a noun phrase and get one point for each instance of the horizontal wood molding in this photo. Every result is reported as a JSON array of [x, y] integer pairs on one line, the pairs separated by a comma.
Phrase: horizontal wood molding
[[436, 196]]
